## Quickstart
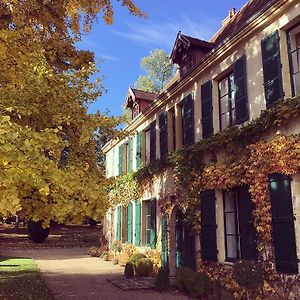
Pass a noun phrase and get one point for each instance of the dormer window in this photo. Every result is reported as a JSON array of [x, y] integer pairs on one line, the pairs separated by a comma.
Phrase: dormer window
[[187, 64], [135, 110]]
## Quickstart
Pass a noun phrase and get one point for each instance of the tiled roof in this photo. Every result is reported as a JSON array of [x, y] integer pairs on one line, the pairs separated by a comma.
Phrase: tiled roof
[[144, 95], [240, 19]]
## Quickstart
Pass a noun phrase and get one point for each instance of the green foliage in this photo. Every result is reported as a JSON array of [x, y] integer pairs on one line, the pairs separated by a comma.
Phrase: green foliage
[[181, 274], [115, 260], [95, 252], [135, 257], [116, 246], [162, 281], [159, 71], [36, 232], [129, 270], [197, 284], [248, 274], [144, 267]]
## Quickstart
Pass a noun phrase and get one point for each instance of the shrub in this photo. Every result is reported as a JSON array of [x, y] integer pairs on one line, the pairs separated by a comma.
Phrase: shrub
[[181, 274], [162, 281], [129, 270], [94, 252], [135, 257], [116, 246], [105, 256], [197, 284], [155, 256], [144, 267], [115, 260], [36, 232], [248, 274], [126, 253]]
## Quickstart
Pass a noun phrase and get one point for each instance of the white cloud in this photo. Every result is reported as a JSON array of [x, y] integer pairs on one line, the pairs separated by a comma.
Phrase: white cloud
[[164, 34]]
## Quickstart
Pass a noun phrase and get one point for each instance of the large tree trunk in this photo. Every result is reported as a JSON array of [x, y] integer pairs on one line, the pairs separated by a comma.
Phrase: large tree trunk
[[36, 232]]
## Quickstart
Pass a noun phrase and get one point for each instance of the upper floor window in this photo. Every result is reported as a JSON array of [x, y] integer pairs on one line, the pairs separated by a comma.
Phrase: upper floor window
[[294, 54], [188, 120], [147, 145], [135, 110], [226, 102]]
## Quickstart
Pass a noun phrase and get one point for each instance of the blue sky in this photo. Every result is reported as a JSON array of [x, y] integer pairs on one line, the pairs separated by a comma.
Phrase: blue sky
[[119, 47]]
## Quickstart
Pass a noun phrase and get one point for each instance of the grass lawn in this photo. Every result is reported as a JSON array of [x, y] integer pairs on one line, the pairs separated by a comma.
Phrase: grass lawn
[[20, 279]]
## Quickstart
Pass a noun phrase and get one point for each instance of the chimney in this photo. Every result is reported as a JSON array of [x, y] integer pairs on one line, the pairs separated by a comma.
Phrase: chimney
[[231, 14]]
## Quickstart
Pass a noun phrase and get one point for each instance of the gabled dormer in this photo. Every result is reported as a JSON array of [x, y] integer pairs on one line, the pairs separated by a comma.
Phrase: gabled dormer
[[138, 101], [188, 51]]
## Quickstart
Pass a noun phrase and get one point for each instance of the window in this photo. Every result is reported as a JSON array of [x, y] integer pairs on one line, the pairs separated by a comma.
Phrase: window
[[294, 56], [135, 110], [240, 235], [147, 145], [147, 223], [226, 102], [129, 152], [173, 128], [188, 128], [163, 134]]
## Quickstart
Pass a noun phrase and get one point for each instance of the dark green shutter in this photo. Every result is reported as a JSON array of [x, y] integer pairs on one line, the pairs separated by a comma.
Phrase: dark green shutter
[[153, 141], [188, 126], [272, 68], [283, 229], [208, 236], [246, 224], [207, 109], [164, 242], [137, 224], [121, 160], [240, 89], [153, 224], [163, 134], [129, 155], [138, 149], [129, 223], [118, 235]]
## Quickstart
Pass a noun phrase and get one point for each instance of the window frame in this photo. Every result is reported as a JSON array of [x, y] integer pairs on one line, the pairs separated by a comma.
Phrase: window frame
[[147, 220]]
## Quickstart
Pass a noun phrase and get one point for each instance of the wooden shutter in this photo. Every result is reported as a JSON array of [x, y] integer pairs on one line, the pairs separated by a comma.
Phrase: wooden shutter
[[207, 109], [153, 141], [138, 149], [128, 155], [121, 160], [272, 68], [153, 224], [118, 235], [129, 223], [188, 126], [137, 224], [208, 237], [240, 89], [163, 134], [164, 242], [248, 239], [283, 229]]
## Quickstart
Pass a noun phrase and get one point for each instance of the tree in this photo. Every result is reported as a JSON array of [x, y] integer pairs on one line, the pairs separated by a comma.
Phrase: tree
[[48, 162], [159, 71]]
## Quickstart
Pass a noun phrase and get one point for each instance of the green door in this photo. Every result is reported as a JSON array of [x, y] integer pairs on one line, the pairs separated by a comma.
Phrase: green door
[[185, 243], [164, 243]]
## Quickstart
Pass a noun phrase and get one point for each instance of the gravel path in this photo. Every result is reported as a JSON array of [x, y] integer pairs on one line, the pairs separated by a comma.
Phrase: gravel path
[[72, 274]]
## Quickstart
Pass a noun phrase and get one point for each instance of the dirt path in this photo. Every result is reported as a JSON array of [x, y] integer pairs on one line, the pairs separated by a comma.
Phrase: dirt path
[[72, 274]]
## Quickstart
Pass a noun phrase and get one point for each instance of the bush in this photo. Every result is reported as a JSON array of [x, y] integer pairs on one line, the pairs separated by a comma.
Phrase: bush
[[144, 267], [36, 232], [115, 260], [126, 253], [94, 252], [116, 246], [181, 274], [162, 281], [197, 284], [248, 274], [129, 270], [105, 256], [155, 257], [135, 257]]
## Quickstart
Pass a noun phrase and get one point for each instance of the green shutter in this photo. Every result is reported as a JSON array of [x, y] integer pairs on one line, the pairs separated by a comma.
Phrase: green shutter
[[188, 121], [118, 235], [153, 141], [207, 109], [283, 228], [138, 149], [129, 155], [240, 89], [163, 134], [164, 242], [208, 236], [137, 224], [153, 224], [121, 160], [272, 68], [129, 223]]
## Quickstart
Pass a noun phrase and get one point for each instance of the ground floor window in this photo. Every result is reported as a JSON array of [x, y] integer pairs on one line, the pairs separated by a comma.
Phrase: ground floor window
[[240, 235], [149, 223]]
